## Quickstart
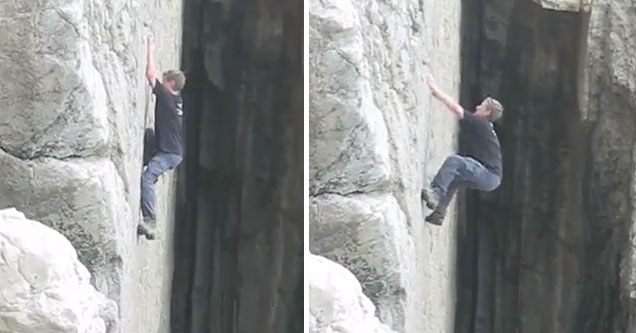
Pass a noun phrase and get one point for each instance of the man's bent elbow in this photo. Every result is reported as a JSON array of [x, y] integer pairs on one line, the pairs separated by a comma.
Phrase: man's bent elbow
[[152, 79]]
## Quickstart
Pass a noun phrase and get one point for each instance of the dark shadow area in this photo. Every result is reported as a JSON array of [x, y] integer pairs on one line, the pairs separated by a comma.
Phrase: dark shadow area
[[150, 145], [239, 224], [469, 96], [543, 252]]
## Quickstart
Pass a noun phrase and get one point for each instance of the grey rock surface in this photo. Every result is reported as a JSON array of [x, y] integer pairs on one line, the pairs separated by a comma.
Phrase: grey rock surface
[[44, 288], [566, 5], [368, 234], [376, 136], [74, 100]]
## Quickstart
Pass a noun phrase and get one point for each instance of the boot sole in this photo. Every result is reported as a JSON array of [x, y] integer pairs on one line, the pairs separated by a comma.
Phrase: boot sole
[[434, 222]]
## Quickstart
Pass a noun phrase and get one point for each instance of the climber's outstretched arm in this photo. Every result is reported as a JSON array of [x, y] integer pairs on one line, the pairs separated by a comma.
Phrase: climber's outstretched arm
[[447, 100], [151, 70]]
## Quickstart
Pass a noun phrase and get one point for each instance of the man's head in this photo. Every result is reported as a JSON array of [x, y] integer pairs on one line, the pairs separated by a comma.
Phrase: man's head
[[174, 80], [490, 109]]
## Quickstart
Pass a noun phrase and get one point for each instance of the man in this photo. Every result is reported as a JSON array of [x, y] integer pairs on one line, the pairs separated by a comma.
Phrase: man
[[168, 137], [480, 168]]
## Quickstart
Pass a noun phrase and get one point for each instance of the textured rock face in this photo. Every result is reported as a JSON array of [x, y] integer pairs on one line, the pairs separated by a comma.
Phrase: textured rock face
[[71, 136], [336, 301], [44, 288], [239, 240], [566, 5], [373, 228], [554, 247], [375, 137]]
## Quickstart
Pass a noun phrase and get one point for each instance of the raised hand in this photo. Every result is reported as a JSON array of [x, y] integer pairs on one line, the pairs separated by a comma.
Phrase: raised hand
[[431, 83]]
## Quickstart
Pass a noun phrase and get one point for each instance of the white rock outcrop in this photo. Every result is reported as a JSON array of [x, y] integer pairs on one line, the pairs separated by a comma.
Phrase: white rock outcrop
[[43, 286], [336, 301]]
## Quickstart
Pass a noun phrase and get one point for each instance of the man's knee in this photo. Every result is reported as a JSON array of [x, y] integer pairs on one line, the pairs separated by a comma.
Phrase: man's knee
[[492, 184], [454, 160]]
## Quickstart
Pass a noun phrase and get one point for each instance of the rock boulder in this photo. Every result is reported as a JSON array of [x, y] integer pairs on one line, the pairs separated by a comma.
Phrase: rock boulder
[[43, 286], [336, 301]]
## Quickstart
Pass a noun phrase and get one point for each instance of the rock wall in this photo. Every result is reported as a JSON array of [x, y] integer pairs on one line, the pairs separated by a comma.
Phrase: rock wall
[[74, 99], [239, 240], [376, 136], [553, 249]]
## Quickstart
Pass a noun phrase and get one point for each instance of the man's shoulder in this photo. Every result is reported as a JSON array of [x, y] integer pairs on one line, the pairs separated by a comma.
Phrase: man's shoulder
[[160, 91], [470, 118], [469, 115]]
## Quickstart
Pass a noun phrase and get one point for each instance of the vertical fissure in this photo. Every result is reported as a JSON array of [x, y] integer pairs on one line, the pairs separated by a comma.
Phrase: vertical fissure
[[527, 252], [241, 194]]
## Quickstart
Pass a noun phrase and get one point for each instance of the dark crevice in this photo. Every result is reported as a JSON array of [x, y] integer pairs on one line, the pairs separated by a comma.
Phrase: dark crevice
[[543, 252], [470, 52], [38, 156], [239, 218], [343, 194]]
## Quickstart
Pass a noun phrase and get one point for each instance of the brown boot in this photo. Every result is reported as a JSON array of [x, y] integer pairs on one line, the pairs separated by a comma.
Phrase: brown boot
[[435, 218]]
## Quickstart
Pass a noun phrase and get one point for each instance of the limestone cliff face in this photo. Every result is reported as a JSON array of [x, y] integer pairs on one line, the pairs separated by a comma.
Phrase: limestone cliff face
[[552, 250], [74, 104], [376, 136], [74, 99]]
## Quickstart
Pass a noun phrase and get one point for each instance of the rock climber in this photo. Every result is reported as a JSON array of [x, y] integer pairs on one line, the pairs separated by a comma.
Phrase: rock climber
[[168, 137], [480, 168]]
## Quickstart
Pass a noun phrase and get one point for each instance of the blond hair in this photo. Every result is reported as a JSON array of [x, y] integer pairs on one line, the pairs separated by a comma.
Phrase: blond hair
[[496, 109], [177, 77]]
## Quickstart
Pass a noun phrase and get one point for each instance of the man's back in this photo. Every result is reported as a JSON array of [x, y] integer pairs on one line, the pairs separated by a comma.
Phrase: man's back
[[168, 120], [481, 142]]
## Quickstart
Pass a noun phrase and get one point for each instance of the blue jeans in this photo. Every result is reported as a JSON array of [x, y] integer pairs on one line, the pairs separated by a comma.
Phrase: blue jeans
[[158, 165], [462, 172]]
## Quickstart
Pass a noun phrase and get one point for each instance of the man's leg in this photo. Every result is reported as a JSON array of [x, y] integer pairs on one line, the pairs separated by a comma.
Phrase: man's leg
[[439, 211], [158, 165], [452, 189], [440, 185], [467, 172]]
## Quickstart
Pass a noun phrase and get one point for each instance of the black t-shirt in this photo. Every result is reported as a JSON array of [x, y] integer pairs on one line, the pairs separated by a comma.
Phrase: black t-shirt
[[168, 123], [481, 142]]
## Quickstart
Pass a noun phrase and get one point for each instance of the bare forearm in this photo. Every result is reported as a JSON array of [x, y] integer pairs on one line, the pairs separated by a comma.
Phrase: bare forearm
[[150, 64], [447, 100], [151, 69]]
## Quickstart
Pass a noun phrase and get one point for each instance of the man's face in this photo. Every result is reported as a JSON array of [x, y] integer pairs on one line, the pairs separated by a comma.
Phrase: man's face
[[482, 109]]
